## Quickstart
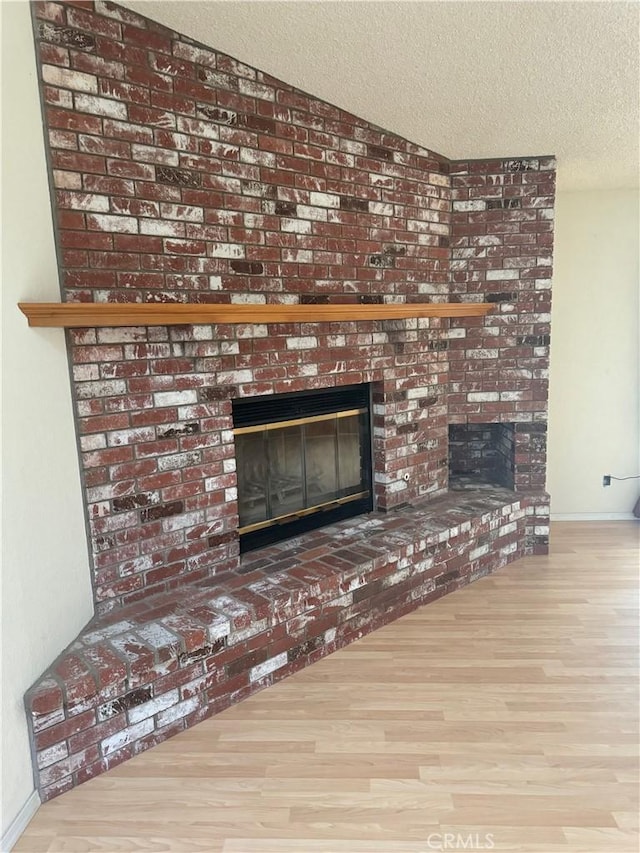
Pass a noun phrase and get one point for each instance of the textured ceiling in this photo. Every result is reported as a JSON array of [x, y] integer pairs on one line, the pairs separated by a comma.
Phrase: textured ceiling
[[465, 79]]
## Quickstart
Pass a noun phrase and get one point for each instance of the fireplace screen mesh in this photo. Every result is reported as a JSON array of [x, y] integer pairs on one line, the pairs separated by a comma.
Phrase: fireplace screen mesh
[[290, 469]]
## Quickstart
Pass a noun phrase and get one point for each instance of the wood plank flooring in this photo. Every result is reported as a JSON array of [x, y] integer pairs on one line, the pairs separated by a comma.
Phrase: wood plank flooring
[[502, 717]]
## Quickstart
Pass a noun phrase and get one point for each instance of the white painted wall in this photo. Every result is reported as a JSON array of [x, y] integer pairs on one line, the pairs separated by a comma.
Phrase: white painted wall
[[46, 595], [593, 408]]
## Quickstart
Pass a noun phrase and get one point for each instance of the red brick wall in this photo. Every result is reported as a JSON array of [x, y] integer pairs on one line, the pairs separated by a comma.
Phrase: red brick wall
[[502, 252], [180, 174]]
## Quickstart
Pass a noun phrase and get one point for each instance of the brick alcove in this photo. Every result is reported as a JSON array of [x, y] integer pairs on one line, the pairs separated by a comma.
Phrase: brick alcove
[[179, 174]]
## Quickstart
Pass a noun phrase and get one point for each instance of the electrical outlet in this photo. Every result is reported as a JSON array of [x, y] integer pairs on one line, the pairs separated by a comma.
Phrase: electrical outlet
[[606, 480]]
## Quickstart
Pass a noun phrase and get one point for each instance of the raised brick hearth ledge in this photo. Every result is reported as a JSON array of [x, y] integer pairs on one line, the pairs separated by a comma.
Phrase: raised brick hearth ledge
[[135, 677]]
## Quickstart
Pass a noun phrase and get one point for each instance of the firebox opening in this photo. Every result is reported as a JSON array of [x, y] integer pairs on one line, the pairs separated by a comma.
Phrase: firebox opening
[[481, 454], [303, 461]]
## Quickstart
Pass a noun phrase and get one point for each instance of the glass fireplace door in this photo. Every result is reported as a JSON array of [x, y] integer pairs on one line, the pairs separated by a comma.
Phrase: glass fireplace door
[[290, 469]]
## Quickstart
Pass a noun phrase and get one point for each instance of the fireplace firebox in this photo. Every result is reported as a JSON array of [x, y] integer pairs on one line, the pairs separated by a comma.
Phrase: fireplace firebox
[[304, 460]]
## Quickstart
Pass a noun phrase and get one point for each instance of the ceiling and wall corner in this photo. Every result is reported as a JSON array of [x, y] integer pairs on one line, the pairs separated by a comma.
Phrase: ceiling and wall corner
[[465, 79]]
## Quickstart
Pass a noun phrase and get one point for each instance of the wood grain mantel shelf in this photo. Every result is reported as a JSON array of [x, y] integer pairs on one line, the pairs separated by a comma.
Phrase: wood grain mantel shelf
[[92, 314]]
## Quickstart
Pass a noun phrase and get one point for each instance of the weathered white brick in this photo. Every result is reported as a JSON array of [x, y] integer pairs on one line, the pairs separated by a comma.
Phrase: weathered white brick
[[299, 256], [308, 342], [162, 227], [296, 226], [121, 437], [215, 282], [502, 275], [464, 206], [197, 127], [234, 377], [327, 200], [150, 154], [92, 442], [318, 214], [67, 180], [175, 398], [179, 460], [259, 158], [226, 250], [148, 709], [257, 90], [258, 672], [248, 299], [185, 212], [54, 753], [86, 201], [75, 80], [478, 552], [482, 396], [195, 54], [126, 736], [116, 224], [178, 711], [100, 106], [482, 353]]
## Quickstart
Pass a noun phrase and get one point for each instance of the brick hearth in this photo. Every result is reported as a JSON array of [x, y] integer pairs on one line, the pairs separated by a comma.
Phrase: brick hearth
[[179, 174], [139, 676]]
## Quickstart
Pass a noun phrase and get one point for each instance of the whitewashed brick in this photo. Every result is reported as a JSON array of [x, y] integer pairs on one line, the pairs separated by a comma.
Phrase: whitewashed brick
[[122, 437], [259, 158], [327, 200], [126, 736], [175, 398], [319, 214], [226, 250], [162, 227], [195, 54], [184, 212], [466, 206], [67, 180], [116, 224], [482, 353], [502, 275], [197, 127], [296, 226], [478, 552], [248, 299], [182, 709], [258, 672], [308, 342], [75, 80], [97, 441], [179, 460], [234, 377], [100, 106], [54, 753], [86, 201], [150, 154], [483, 396], [148, 709], [257, 90]]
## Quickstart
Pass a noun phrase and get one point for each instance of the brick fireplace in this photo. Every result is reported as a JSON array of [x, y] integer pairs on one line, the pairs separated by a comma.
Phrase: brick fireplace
[[179, 174]]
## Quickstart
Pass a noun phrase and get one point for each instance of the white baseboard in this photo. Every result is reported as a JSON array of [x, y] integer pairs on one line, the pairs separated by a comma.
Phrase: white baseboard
[[593, 516], [20, 822]]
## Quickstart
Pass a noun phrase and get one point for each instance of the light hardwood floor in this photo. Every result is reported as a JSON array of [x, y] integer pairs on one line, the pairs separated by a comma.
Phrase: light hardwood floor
[[504, 715]]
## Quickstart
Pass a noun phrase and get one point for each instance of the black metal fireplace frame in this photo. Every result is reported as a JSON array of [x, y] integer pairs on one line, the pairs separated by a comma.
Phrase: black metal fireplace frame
[[298, 406]]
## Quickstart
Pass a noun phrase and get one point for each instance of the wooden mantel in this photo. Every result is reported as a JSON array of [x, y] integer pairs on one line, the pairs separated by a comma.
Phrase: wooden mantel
[[91, 314]]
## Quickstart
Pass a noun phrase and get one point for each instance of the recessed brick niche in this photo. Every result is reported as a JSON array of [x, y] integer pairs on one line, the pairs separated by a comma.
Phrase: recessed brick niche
[[179, 174]]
